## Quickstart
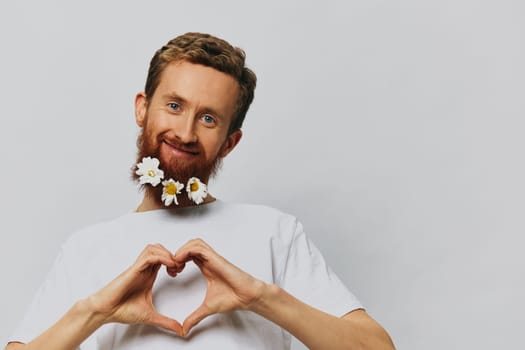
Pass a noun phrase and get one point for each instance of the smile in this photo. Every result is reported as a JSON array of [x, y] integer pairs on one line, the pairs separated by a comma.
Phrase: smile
[[178, 151]]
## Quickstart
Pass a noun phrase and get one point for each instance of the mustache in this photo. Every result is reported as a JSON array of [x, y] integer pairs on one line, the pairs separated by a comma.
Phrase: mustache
[[190, 147]]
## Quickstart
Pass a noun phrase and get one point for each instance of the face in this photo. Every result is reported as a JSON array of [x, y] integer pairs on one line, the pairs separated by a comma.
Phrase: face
[[185, 123]]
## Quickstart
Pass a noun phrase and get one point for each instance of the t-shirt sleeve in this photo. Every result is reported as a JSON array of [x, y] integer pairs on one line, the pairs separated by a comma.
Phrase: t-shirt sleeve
[[51, 302], [305, 274]]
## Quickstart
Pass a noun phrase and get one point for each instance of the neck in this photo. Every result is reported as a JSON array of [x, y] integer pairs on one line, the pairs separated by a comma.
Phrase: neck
[[149, 202]]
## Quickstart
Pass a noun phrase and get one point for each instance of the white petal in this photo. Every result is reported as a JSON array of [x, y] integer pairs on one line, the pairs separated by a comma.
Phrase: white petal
[[198, 200], [146, 162], [154, 181], [188, 185], [140, 165]]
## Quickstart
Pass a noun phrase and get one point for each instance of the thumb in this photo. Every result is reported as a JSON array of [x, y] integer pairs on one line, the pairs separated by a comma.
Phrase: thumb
[[162, 321], [196, 316]]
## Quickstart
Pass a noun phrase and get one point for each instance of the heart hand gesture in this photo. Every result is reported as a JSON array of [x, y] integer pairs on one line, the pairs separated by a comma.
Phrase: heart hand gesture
[[228, 287], [128, 298]]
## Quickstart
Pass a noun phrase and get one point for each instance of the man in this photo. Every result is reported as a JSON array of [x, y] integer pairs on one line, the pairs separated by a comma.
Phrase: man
[[197, 93]]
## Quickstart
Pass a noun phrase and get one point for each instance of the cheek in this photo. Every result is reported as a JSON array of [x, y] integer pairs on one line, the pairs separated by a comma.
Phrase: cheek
[[211, 146], [155, 127], [157, 123], [209, 152]]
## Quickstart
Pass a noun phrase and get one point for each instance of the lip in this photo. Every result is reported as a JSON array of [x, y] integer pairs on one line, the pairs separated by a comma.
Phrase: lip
[[179, 152]]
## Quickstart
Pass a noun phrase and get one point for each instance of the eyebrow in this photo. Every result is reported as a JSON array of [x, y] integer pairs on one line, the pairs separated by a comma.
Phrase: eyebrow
[[176, 97]]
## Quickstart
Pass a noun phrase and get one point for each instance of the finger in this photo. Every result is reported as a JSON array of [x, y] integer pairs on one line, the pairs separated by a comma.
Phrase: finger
[[193, 248], [171, 271], [155, 254], [166, 323], [196, 316], [174, 270], [211, 264], [158, 249], [149, 261]]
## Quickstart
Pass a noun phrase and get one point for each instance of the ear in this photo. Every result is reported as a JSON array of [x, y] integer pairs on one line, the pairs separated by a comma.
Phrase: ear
[[141, 105], [229, 144]]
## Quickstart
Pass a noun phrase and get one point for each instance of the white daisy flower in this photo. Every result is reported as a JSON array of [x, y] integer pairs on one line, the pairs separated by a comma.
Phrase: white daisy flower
[[149, 171], [197, 190], [170, 191]]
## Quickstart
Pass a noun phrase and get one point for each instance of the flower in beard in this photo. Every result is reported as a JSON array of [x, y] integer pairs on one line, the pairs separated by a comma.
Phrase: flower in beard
[[149, 171], [170, 191], [197, 190]]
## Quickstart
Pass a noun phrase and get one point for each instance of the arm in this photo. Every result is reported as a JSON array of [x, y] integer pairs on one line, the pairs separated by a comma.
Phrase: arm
[[69, 332], [127, 299], [230, 288], [319, 330]]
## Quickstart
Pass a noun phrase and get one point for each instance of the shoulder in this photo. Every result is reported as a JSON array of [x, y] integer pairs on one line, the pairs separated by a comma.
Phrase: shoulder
[[260, 212], [93, 234], [259, 209], [264, 221]]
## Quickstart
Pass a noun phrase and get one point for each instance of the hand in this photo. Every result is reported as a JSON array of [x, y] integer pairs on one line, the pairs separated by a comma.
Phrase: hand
[[229, 288], [128, 298]]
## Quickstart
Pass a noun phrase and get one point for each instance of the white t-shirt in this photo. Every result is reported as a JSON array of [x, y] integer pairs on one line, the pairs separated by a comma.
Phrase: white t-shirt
[[262, 241]]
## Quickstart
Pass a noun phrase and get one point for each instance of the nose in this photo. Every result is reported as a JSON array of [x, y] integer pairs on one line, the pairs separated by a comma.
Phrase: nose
[[185, 130]]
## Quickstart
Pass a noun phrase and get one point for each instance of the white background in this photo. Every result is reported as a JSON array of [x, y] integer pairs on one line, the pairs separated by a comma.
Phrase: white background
[[392, 129]]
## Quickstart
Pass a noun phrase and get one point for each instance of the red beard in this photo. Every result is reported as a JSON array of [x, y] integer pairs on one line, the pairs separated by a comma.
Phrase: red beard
[[175, 168]]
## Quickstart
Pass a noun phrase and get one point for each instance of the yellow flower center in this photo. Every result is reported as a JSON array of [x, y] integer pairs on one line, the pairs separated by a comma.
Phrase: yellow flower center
[[171, 189], [151, 173], [194, 187]]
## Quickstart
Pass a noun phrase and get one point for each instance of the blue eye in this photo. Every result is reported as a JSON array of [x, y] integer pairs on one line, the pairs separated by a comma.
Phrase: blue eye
[[208, 119], [174, 106]]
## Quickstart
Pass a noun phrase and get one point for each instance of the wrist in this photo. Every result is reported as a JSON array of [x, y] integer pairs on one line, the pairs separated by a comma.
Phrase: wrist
[[268, 293], [87, 307]]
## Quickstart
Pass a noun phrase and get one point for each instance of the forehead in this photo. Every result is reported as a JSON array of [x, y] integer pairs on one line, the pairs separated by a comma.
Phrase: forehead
[[199, 85]]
